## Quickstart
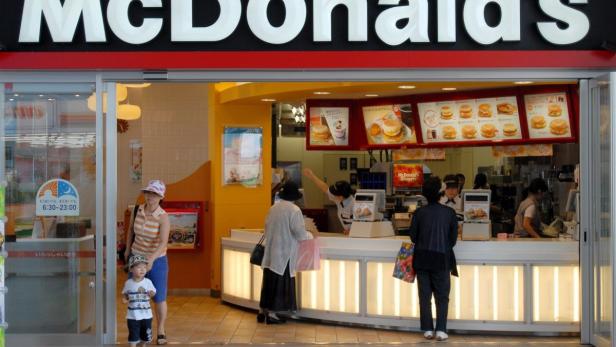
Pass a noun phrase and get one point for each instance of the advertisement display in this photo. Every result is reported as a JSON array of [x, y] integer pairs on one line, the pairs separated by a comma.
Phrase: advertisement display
[[57, 197], [473, 120], [538, 150], [389, 125], [183, 227], [408, 175], [329, 126], [419, 154], [243, 156], [548, 116]]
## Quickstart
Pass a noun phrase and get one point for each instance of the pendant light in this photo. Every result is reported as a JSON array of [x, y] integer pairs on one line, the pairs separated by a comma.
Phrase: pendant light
[[121, 95], [129, 112]]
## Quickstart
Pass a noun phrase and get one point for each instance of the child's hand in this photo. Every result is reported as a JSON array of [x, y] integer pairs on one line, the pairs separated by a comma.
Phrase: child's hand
[[151, 293], [125, 299]]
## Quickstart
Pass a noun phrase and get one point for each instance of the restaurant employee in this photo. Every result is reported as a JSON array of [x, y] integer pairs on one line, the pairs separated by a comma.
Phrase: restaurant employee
[[528, 218], [342, 194], [451, 198]]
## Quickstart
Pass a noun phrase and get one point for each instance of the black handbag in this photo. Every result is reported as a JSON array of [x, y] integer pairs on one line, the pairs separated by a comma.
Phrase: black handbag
[[256, 257]]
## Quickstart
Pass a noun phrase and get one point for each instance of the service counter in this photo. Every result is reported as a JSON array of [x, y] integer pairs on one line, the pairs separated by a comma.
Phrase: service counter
[[515, 285]]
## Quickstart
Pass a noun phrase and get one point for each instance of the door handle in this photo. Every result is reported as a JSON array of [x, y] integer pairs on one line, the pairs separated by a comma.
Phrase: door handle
[[91, 285]]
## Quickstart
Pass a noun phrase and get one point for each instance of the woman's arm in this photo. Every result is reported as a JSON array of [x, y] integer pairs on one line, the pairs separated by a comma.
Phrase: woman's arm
[[317, 181], [529, 228], [163, 237]]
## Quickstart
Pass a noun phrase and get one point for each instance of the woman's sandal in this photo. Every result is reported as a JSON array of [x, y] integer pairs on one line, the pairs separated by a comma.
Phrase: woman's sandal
[[161, 340]]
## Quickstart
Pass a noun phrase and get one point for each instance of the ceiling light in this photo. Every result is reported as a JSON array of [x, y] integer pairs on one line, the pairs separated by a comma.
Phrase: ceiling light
[[523, 82], [449, 89], [15, 95], [129, 112], [11, 99], [268, 100], [406, 87], [51, 99], [322, 93], [41, 95], [139, 85], [77, 95], [372, 95]]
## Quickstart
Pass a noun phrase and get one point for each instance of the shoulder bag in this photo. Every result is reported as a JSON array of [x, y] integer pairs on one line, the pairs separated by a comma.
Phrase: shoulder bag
[[256, 257]]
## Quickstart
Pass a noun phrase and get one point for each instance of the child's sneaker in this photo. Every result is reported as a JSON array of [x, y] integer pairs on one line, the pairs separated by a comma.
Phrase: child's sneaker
[[441, 336], [429, 335]]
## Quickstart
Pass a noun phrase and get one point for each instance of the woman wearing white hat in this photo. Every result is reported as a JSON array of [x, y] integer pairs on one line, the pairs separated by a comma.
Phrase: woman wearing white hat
[[149, 237]]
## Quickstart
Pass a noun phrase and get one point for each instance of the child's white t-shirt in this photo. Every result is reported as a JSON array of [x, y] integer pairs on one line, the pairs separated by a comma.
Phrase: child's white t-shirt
[[138, 298]]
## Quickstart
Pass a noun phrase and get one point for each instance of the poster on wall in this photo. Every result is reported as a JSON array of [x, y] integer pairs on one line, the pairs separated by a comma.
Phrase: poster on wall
[[292, 171], [57, 197], [408, 175], [472, 120], [243, 156], [548, 116], [329, 126], [389, 125], [183, 227], [136, 161]]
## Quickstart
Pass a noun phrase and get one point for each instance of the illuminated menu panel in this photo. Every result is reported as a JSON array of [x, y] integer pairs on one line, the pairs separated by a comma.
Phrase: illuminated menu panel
[[548, 116], [471, 120], [329, 126], [389, 125]]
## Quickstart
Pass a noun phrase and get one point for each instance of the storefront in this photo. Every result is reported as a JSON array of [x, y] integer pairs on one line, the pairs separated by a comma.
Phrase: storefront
[[55, 56]]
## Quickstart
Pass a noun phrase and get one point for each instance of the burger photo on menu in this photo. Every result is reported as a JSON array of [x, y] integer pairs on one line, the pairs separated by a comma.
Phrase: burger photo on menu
[[548, 116], [329, 126], [389, 125]]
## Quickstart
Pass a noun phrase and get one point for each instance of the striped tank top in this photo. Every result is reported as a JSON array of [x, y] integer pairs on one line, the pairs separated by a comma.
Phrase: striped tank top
[[147, 231]]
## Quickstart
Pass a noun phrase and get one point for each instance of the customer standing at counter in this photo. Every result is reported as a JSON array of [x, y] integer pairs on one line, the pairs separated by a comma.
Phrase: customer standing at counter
[[528, 218], [434, 231], [342, 194], [149, 237], [284, 229]]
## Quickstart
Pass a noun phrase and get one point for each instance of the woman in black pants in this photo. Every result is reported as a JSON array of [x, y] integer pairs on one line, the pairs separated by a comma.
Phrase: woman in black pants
[[434, 231]]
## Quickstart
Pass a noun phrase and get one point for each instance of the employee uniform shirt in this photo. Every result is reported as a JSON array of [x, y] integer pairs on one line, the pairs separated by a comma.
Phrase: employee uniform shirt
[[527, 209], [138, 298], [455, 203], [284, 228], [345, 210]]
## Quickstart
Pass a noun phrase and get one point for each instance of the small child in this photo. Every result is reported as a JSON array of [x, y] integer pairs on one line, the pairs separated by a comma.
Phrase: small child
[[137, 293]]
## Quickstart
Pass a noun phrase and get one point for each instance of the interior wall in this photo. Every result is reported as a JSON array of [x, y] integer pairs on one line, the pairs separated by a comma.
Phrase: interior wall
[[173, 132], [236, 206]]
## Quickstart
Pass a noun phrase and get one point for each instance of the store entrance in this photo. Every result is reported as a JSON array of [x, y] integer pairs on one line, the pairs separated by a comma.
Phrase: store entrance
[[178, 134]]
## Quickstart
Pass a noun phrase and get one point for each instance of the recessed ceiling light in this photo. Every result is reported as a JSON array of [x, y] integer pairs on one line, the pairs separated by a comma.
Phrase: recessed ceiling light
[[41, 95], [407, 87], [372, 95], [449, 89], [77, 95], [51, 99], [11, 99], [15, 95], [523, 82], [268, 100], [322, 93]]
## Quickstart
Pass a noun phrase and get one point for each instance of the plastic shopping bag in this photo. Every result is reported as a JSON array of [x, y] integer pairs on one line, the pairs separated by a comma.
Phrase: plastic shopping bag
[[309, 255], [403, 270]]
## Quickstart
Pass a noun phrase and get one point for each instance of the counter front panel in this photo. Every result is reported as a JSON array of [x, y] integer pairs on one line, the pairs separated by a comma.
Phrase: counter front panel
[[497, 290]]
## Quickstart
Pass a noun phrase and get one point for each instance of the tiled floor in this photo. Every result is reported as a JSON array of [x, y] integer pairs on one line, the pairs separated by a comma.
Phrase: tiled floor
[[195, 321]]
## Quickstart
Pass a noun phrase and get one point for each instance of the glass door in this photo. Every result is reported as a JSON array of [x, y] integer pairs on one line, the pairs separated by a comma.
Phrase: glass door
[[50, 151], [603, 123]]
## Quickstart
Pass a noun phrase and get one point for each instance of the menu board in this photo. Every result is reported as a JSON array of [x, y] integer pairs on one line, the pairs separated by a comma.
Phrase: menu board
[[472, 120], [548, 116], [389, 125], [408, 175], [329, 126]]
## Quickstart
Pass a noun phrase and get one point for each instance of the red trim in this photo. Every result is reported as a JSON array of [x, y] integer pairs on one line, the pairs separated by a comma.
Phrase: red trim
[[306, 60]]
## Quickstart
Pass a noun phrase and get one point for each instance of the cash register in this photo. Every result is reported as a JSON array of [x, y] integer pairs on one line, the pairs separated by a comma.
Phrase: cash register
[[368, 216], [476, 208]]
